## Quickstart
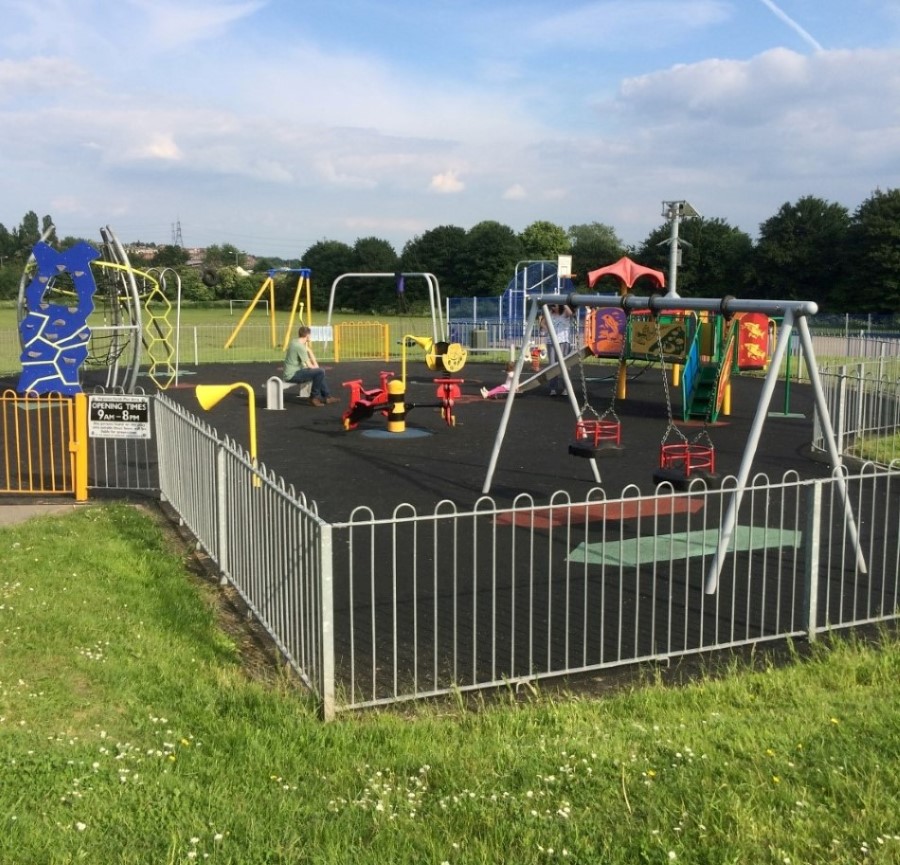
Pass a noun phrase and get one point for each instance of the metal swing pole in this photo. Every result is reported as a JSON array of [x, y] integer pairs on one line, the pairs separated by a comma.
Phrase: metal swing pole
[[730, 520], [564, 370], [830, 439], [508, 403]]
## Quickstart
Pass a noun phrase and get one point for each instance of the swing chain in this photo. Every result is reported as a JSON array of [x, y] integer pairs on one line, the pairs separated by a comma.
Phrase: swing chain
[[586, 402], [665, 377], [611, 410]]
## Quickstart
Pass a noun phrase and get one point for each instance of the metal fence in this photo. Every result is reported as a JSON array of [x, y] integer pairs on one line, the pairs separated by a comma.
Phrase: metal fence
[[122, 465], [372, 611], [863, 401], [37, 431], [264, 537]]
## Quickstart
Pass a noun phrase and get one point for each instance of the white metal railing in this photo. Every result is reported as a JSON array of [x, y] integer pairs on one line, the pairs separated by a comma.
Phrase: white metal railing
[[864, 403], [372, 611], [265, 538], [428, 603]]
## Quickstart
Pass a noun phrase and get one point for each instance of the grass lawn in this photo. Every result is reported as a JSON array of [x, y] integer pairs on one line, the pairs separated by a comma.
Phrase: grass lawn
[[134, 729]]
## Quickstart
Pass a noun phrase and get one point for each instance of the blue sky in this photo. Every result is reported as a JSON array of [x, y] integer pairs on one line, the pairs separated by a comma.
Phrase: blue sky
[[272, 124]]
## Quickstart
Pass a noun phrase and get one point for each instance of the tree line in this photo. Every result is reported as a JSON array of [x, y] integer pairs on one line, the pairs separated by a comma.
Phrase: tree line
[[810, 249]]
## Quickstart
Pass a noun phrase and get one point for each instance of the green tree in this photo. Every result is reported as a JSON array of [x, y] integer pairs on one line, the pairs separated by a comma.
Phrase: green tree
[[716, 257], [545, 241], [799, 254], [328, 259], [170, 256], [69, 241], [492, 252], [371, 255], [27, 234], [261, 265], [441, 251], [872, 256], [6, 241], [593, 245], [192, 287], [48, 231]]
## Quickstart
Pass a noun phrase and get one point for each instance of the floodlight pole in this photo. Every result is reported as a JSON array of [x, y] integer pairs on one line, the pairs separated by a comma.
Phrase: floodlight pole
[[675, 211]]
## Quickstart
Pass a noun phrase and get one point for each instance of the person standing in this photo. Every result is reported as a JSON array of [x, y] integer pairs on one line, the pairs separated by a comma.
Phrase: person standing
[[561, 319], [300, 366]]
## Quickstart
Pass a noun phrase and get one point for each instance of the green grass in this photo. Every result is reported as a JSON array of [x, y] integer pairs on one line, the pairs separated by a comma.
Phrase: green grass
[[204, 332], [878, 449], [131, 732]]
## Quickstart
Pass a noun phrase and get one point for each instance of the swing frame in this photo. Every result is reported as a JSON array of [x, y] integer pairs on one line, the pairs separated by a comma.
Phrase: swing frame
[[793, 314]]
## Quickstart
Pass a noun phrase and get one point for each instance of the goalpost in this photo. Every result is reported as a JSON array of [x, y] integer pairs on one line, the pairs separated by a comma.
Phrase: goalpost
[[264, 303]]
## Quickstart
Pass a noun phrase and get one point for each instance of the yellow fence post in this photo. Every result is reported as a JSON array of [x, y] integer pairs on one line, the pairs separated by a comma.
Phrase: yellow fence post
[[79, 445]]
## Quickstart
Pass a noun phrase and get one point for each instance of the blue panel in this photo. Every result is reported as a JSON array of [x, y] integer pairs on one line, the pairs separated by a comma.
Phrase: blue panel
[[55, 336]]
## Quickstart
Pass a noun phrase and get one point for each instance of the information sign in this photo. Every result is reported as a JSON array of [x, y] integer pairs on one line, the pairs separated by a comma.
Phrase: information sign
[[113, 416]]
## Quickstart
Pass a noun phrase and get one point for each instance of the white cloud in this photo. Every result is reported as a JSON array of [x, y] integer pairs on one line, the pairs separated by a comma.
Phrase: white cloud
[[20, 79], [617, 25], [229, 113], [159, 145], [171, 24], [447, 182]]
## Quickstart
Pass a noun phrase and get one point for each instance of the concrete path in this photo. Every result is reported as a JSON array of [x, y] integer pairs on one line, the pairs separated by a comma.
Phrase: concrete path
[[11, 515]]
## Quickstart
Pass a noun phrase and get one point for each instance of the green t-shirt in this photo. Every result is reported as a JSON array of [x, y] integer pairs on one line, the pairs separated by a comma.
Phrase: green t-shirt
[[296, 358]]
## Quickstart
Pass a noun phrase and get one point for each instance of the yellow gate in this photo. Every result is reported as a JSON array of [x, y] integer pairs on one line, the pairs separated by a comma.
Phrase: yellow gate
[[361, 340], [44, 444]]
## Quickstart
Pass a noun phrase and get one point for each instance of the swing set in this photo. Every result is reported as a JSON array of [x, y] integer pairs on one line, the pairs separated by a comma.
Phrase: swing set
[[683, 456], [302, 298]]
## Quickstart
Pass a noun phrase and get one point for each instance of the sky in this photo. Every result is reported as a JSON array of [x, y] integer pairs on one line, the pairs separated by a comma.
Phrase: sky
[[274, 124]]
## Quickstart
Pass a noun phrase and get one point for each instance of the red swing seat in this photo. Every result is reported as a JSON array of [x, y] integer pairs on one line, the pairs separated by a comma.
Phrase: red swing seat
[[596, 437], [682, 462]]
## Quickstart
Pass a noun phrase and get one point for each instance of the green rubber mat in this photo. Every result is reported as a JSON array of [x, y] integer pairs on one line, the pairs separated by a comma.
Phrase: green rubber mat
[[683, 545]]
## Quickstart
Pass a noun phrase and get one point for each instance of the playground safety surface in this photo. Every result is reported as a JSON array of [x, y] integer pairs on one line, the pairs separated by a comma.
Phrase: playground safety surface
[[342, 469]]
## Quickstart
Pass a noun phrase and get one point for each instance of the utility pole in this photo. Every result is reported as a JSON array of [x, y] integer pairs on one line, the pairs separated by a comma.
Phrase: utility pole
[[675, 211]]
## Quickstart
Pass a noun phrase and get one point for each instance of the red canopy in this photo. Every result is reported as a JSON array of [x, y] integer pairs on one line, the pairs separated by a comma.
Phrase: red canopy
[[628, 271]]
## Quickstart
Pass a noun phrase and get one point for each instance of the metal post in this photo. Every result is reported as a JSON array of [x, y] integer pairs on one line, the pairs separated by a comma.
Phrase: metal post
[[811, 556], [825, 420], [564, 370], [730, 521], [326, 616], [508, 404], [673, 255], [222, 517]]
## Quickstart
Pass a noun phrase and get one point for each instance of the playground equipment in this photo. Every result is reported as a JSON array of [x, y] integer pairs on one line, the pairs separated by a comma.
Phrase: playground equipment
[[389, 397], [297, 305], [794, 314], [499, 320], [210, 395], [683, 460], [89, 307], [438, 325], [600, 435]]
